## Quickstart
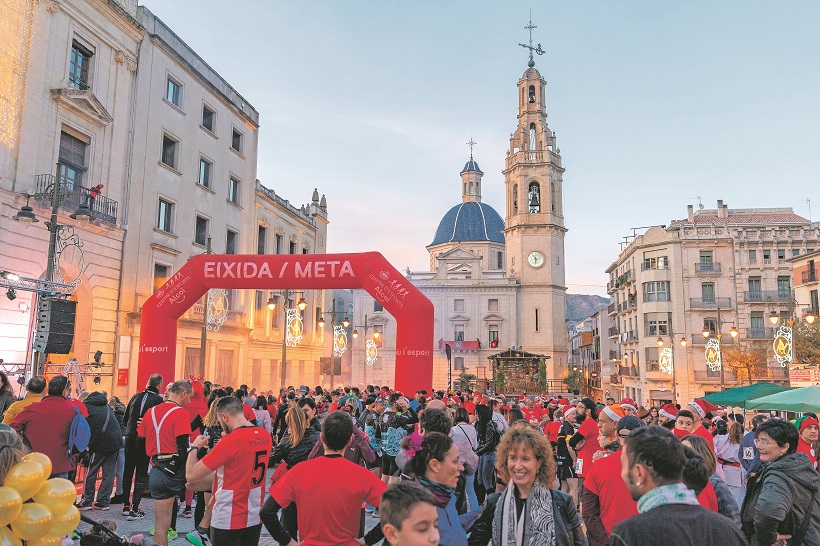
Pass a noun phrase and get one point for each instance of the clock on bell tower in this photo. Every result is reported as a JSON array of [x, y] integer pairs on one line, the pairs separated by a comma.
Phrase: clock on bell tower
[[534, 222]]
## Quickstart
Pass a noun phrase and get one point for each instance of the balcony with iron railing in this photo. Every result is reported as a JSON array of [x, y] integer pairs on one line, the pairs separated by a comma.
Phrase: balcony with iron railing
[[628, 371], [710, 303], [707, 267], [614, 331], [612, 309], [760, 333], [71, 196], [708, 376], [632, 335], [233, 318], [766, 295], [810, 275]]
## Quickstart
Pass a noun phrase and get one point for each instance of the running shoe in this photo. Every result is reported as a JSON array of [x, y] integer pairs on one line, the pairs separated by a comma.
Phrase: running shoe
[[172, 534], [187, 513], [98, 506], [118, 499], [86, 507], [198, 537], [126, 509], [139, 514]]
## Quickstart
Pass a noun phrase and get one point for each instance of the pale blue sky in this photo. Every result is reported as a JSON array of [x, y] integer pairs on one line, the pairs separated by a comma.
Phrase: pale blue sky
[[653, 103]]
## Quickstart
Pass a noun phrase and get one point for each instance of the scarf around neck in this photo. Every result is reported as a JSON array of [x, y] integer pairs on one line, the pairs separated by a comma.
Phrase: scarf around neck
[[442, 493], [675, 493], [536, 518]]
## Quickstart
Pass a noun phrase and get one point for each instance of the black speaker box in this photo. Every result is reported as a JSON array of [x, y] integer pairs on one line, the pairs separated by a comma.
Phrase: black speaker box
[[55, 326]]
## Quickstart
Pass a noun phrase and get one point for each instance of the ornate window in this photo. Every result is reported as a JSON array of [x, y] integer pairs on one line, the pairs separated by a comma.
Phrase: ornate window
[[515, 199], [532, 136], [532, 94]]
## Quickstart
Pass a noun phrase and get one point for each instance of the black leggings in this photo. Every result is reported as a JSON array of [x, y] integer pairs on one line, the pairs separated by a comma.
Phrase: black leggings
[[249, 536], [199, 509], [287, 519]]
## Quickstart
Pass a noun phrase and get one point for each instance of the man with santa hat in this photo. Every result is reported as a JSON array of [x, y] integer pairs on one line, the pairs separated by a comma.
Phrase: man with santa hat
[[629, 406], [809, 429], [700, 408]]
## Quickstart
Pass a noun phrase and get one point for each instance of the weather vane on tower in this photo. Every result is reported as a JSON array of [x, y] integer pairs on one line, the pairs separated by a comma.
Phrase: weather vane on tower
[[471, 143], [536, 49]]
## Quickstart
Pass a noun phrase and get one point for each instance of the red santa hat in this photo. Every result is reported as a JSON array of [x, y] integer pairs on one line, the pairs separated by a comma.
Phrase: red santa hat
[[702, 406], [629, 403], [614, 412], [569, 411], [807, 422], [669, 411]]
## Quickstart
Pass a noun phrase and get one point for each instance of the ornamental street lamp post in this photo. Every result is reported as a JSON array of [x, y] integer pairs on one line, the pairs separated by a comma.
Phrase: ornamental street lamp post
[[717, 355], [368, 324], [345, 323], [302, 304], [25, 216], [671, 360]]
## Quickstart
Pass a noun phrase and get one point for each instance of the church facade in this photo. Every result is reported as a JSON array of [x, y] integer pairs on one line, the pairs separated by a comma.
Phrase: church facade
[[496, 283]]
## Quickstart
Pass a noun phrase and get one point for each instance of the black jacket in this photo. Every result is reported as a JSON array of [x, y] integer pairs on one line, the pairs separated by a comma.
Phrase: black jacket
[[677, 525], [292, 455], [137, 406], [105, 436]]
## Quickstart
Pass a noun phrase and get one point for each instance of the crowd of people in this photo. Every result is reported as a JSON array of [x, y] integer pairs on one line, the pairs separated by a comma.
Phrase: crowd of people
[[447, 467]]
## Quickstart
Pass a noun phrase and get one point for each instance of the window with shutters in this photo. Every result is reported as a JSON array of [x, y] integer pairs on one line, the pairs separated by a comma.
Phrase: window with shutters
[[224, 367], [72, 160]]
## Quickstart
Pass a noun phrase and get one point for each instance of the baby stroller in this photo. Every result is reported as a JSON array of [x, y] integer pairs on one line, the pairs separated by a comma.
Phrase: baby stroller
[[102, 535]]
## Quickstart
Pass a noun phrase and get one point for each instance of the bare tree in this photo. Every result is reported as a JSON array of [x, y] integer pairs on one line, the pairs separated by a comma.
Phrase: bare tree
[[806, 343]]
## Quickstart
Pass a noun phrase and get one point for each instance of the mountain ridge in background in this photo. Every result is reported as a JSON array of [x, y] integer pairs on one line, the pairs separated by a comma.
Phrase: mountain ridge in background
[[581, 306]]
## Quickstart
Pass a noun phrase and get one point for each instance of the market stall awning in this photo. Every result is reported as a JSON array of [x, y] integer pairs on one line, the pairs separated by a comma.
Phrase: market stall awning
[[739, 396], [797, 400]]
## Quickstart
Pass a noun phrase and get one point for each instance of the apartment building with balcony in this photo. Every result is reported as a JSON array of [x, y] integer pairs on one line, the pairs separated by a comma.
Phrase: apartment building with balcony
[[67, 77], [715, 270]]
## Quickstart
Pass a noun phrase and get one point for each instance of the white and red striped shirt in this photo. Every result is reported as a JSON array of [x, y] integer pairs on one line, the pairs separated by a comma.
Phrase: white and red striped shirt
[[240, 461]]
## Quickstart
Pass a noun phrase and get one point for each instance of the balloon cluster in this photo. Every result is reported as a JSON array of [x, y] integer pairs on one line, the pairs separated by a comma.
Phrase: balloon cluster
[[51, 514]]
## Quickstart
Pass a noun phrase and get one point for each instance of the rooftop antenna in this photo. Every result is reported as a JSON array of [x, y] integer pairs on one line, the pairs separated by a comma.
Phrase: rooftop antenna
[[536, 49], [808, 202], [471, 144], [700, 203]]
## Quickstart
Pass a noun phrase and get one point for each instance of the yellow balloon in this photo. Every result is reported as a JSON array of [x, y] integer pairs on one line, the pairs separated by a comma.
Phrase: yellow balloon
[[57, 494], [27, 477], [40, 458], [34, 521], [10, 505], [64, 523], [45, 541], [7, 538]]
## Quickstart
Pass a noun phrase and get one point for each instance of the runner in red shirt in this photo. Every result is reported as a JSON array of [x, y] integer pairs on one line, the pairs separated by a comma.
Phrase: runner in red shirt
[[607, 500], [551, 429], [808, 436], [532, 411], [585, 440], [240, 461], [166, 429], [328, 491]]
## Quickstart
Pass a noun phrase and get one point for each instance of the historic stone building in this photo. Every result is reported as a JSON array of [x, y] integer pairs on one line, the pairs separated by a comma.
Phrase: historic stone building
[[720, 271], [494, 283]]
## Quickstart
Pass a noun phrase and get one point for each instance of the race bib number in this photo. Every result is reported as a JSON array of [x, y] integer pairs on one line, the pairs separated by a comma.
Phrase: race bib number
[[579, 466], [748, 453]]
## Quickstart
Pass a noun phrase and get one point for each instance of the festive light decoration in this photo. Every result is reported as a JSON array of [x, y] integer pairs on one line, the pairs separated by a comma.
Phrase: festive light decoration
[[370, 352], [783, 346], [295, 327], [666, 360], [216, 308], [339, 340], [713, 357], [16, 31]]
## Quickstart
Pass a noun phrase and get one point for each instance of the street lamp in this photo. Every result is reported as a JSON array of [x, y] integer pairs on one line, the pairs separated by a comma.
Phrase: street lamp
[[25, 216], [670, 366], [301, 305], [783, 345], [713, 350], [368, 324], [345, 322]]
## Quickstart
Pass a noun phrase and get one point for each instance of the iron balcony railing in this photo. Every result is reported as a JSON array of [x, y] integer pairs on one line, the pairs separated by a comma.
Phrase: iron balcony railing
[[710, 303], [760, 333], [612, 309], [614, 331], [766, 295], [71, 196], [703, 376], [707, 267], [810, 275]]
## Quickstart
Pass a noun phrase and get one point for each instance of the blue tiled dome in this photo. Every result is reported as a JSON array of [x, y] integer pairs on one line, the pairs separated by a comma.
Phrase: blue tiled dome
[[471, 166], [470, 221]]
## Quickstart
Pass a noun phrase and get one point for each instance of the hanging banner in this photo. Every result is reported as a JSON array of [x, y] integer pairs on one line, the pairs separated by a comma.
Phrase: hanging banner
[[783, 347], [339, 340], [665, 360], [371, 352], [713, 357]]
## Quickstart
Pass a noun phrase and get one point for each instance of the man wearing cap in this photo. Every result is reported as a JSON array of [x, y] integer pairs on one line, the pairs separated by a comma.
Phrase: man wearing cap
[[700, 408], [606, 498], [808, 436], [629, 406], [565, 456]]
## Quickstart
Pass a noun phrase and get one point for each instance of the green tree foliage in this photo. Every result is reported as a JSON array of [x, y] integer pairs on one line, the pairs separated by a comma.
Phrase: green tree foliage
[[465, 380]]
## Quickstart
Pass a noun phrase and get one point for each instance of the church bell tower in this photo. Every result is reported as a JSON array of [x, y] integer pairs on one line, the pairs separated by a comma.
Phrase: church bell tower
[[534, 220]]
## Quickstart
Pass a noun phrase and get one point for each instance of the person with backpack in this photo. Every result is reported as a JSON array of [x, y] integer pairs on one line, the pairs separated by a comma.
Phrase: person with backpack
[[103, 449], [54, 427]]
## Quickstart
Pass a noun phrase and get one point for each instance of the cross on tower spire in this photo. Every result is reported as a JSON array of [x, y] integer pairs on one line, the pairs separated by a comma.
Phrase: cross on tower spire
[[532, 49], [471, 143]]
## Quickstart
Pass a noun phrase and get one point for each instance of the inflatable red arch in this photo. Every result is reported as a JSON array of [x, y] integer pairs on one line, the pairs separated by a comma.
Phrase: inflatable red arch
[[411, 309]]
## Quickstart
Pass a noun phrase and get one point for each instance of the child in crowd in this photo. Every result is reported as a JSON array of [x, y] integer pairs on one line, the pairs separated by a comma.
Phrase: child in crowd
[[408, 515]]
